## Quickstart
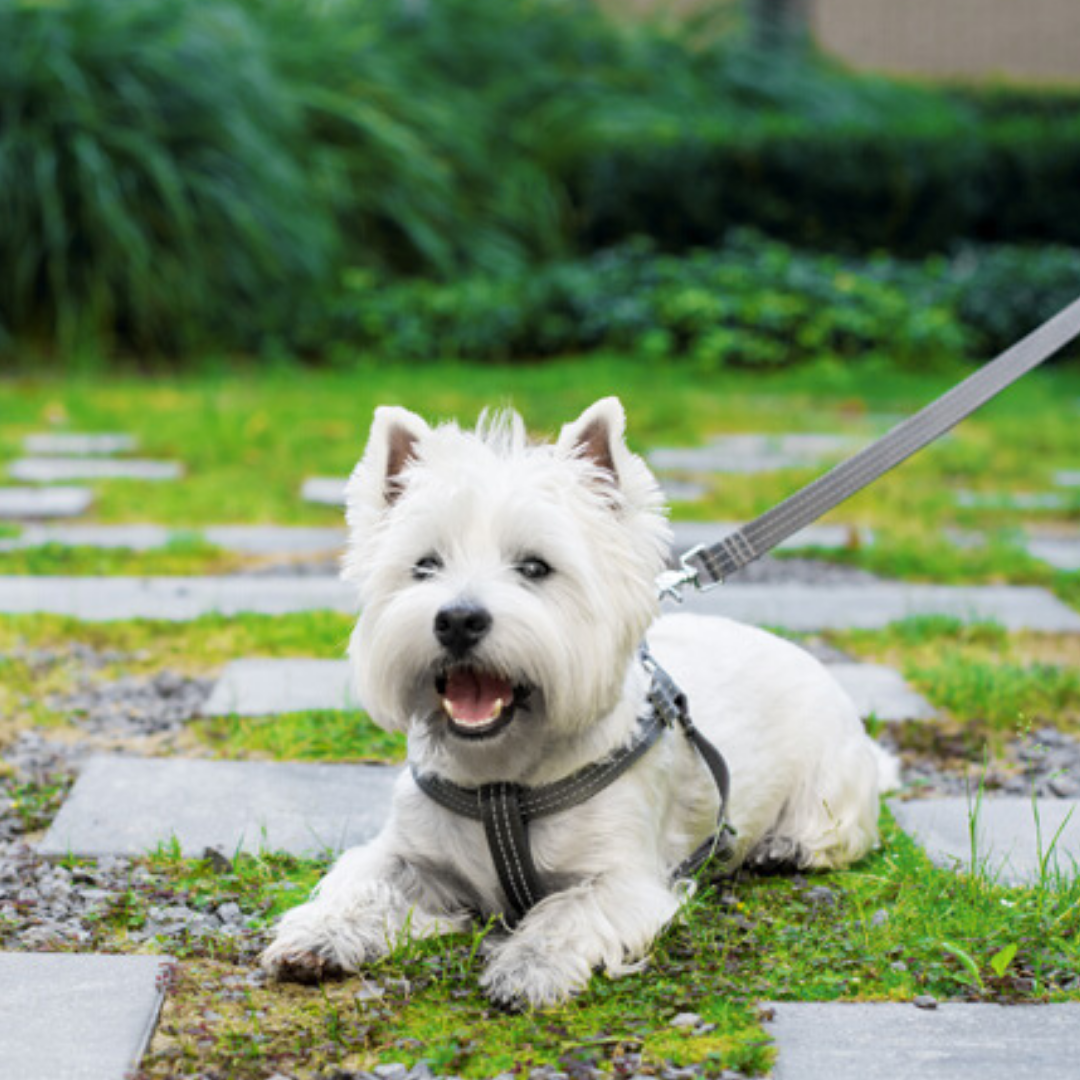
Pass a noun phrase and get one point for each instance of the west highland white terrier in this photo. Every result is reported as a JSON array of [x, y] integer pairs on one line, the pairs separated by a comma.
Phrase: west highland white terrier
[[506, 589]]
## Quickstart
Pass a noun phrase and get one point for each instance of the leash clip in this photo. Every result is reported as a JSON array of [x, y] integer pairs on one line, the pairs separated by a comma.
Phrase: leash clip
[[670, 583]]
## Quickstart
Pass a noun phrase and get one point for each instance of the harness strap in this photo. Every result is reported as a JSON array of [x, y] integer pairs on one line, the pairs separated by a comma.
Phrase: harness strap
[[552, 798], [508, 841], [669, 699], [505, 809]]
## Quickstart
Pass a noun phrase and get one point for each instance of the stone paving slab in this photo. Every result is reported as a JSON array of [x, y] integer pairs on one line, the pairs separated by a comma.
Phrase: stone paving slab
[[881, 691], [1013, 500], [752, 453], [682, 491], [1008, 837], [32, 503], [128, 806], [269, 687], [795, 607], [325, 490], [243, 539], [956, 1041], [688, 534], [1060, 552], [76, 1017], [1067, 478], [46, 470], [838, 607], [103, 599], [79, 445]]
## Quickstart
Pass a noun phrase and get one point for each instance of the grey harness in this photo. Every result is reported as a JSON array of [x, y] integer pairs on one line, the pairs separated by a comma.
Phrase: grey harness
[[506, 809]]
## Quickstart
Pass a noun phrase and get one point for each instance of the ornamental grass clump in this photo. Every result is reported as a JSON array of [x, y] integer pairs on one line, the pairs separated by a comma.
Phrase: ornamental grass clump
[[151, 164]]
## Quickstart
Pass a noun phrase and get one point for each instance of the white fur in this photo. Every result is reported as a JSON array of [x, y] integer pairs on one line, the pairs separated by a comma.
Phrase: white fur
[[805, 777]]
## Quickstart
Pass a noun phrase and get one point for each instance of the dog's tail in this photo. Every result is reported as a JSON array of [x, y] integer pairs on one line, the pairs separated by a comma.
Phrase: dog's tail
[[888, 769]]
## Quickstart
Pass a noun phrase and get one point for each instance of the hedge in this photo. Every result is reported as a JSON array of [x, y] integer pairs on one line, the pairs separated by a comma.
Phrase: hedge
[[912, 187], [755, 302]]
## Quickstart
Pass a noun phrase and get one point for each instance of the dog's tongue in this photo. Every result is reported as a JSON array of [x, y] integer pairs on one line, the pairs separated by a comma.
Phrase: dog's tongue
[[474, 696]]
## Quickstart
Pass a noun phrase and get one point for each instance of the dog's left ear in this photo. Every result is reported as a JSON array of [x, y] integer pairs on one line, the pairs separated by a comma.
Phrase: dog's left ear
[[391, 447], [597, 436]]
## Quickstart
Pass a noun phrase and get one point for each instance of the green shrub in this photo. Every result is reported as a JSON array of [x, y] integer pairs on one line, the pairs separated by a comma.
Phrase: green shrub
[[753, 303], [913, 186], [1005, 292], [151, 176]]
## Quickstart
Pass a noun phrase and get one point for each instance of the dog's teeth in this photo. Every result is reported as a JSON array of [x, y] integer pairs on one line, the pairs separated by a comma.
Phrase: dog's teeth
[[448, 708], [497, 711]]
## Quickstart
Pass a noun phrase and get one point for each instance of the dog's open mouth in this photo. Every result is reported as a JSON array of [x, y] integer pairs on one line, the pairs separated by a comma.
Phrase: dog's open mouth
[[477, 703]]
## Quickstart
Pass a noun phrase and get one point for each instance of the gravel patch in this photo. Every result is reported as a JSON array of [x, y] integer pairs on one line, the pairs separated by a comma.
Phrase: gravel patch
[[136, 706], [1046, 763], [45, 906]]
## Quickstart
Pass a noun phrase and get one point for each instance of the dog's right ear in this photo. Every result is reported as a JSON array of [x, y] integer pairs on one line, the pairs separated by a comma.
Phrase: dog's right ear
[[391, 448]]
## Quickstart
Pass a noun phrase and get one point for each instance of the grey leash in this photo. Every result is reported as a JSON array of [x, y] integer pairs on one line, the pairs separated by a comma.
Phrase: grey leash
[[706, 566]]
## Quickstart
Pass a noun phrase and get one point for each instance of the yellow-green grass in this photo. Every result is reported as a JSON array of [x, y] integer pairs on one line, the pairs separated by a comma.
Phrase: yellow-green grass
[[249, 438], [890, 928]]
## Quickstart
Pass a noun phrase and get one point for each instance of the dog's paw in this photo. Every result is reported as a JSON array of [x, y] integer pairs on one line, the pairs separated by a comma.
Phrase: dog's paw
[[527, 975], [298, 966], [314, 942]]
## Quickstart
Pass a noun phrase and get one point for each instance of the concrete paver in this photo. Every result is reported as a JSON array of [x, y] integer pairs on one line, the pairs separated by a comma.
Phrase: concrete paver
[[47, 470], [35, 503], [1013, 836], [77, 1017], [129, 806], [885, 1041]]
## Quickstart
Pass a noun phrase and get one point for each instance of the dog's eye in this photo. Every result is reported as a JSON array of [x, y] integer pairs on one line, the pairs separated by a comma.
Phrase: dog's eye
[[427, 567], [533, 569]]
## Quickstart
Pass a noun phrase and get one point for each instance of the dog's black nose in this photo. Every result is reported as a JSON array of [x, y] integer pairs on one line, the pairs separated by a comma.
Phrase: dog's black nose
[[460, 627]]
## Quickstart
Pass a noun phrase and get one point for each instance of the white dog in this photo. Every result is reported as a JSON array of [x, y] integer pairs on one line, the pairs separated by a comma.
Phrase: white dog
[[506, 589]]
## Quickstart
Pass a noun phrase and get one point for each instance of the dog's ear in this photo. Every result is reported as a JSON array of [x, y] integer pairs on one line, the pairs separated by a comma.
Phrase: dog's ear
[[392, 445], [597, 436]]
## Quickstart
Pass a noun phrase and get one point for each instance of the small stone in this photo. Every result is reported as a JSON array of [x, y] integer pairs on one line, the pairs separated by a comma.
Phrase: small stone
[[393, 1071], [685, 1019], [925, 1001], [1064, 787], [230, 913], [879, 918], [821, 895], [370, 992], [898, 966], [219, 863]]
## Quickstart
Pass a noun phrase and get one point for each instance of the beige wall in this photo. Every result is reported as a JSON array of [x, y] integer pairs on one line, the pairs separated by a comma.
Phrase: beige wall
[[1026, 40]]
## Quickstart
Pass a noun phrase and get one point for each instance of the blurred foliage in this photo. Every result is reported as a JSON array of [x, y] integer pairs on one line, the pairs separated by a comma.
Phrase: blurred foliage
[[914, 185], [182, 173], [150, 173], [753, 302]]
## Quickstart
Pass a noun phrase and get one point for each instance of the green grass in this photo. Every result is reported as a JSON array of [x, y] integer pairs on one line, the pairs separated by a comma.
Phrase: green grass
[[190, 647], [315, 735], [995, 683], [249, 441], [183, 556], [890, 928]]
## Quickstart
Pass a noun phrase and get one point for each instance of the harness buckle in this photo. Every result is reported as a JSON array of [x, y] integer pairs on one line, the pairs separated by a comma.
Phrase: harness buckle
[[670, 583]]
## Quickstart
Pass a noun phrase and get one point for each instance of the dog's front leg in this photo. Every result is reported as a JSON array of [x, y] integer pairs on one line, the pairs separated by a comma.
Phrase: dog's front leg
[[367, 903], [608, 922]]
